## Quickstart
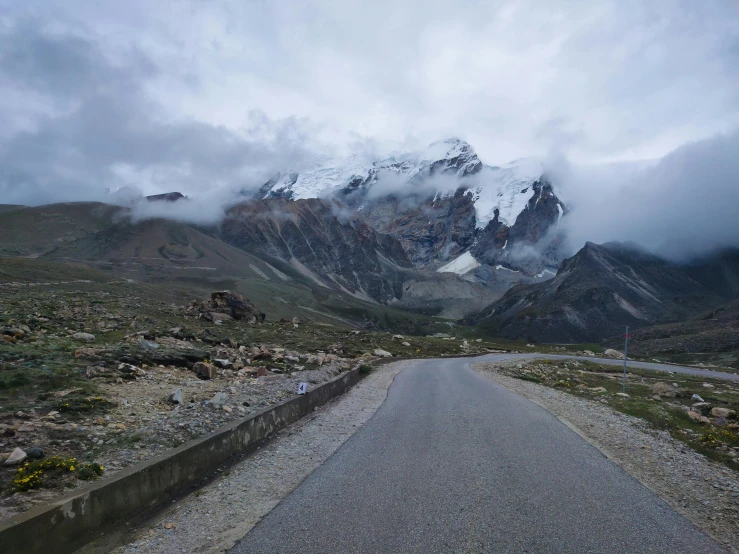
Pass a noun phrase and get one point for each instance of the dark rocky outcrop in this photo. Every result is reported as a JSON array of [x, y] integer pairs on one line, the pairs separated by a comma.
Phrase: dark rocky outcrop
[[166, 197], [231, 304], [595, 294], [430, 229]]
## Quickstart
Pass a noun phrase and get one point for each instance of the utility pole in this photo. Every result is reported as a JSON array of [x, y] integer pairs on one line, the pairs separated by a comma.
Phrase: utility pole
[[626, 355]]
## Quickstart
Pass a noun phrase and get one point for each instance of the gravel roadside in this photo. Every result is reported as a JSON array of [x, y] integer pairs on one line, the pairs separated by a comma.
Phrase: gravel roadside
[[216, 516], [705, 492]]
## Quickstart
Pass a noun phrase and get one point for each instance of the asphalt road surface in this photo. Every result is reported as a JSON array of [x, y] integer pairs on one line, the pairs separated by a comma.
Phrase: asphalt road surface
[[453, 462]]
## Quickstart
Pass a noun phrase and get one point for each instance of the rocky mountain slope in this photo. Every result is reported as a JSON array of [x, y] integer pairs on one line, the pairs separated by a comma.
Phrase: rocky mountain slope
[[290, 256], [309, 235], [596, 293], [712, 338], [442, 203]]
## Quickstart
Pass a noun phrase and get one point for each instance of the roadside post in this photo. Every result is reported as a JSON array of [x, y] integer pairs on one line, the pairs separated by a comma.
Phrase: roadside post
[[626, 355]]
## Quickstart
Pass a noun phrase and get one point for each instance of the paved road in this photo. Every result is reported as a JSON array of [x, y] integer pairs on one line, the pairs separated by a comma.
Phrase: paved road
[[453, 462]]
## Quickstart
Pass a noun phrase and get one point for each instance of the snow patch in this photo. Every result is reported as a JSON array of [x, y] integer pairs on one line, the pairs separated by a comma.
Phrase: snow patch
[[461, 265], [507, 189], [507, 269]]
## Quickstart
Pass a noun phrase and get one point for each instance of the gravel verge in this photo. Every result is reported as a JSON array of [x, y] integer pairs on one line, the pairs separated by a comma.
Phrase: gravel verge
[[704, 491], [216, 516]]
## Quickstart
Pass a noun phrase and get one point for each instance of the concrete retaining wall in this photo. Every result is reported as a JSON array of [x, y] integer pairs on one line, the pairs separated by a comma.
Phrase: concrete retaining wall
[[73, 520]]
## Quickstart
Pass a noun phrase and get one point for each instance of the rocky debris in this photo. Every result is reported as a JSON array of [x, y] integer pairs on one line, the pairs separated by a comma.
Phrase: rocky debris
[[405, 343], [176, 396], [382, 353], [224, 305], [205, 370], [664, 389], [222, 363], [696, 398], [16, 457], [611, 353], [83, 337], [708, 386], [622, 395]]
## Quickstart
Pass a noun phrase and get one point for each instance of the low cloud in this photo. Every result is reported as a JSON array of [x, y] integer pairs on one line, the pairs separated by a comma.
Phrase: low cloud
[[80, 121], [680, 206]]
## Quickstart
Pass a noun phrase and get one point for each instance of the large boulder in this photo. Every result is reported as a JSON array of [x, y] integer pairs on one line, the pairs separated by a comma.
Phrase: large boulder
[[230, 304], [205, 370], [664, 389]]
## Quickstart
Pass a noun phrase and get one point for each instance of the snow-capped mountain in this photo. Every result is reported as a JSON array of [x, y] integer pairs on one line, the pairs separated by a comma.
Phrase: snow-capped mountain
[[443, 167], [448, 209]]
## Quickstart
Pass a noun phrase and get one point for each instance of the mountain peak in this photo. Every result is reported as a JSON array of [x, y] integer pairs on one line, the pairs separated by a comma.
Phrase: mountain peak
[[448, 149], [166, 197]]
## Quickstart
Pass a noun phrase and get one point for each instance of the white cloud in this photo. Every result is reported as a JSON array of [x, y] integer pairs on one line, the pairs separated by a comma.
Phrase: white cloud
[[603, 80]]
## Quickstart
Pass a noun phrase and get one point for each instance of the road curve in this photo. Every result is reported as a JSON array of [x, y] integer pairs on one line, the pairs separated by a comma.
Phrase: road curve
[[453, 462]]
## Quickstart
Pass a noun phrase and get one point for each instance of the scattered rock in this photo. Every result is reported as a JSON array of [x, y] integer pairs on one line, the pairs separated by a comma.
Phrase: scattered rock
[[205, 370], [697, 398], [695, 416], [176, 396], [263, 372], [382, 353], [611, 353], [217, 318], [664, 389], [147, 344], [708, 386], [622, 395], [722, 412], [16, 457], [405, 343], [35, 453], [84, 337], [225, 364], [219, 399]]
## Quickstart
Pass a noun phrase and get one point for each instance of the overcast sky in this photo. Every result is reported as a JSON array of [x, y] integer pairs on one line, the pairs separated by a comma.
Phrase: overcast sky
[[189, 95]]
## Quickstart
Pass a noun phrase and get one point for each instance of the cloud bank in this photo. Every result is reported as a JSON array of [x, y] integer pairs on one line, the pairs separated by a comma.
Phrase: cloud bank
[[680, 206], [84, 124]]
